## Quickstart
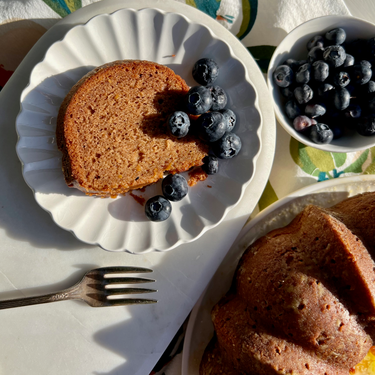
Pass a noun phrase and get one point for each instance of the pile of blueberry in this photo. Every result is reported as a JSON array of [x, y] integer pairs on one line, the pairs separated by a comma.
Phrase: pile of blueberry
[[206, 116], [331, 92]]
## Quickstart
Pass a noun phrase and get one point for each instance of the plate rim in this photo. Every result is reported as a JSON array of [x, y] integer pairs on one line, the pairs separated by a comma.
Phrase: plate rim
[[254, 162], [302, 192]]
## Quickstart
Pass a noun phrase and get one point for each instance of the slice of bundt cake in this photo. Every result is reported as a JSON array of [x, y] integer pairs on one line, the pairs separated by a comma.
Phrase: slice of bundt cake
[[297, 301], [362, 224], [111, 129], [252, 348]]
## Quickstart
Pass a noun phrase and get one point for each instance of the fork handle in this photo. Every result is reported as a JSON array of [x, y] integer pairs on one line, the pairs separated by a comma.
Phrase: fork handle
[[46, 298]]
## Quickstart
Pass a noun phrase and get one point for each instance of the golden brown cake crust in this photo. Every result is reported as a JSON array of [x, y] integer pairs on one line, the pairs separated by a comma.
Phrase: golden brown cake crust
[[363, 223], [111, 128], [302, 299]]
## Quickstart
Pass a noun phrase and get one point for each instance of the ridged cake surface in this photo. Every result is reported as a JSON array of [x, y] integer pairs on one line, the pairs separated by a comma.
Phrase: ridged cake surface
[[302, 299]]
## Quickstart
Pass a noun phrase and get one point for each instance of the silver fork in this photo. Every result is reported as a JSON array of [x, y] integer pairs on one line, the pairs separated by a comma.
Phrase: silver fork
[[94, 289]]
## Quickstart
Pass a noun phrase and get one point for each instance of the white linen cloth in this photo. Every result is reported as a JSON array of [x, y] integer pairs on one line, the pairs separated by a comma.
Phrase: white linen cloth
[[257, 23]]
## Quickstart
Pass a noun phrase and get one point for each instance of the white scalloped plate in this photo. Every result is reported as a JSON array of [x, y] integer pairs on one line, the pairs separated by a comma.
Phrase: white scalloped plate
[[148, 34], [325, 194]]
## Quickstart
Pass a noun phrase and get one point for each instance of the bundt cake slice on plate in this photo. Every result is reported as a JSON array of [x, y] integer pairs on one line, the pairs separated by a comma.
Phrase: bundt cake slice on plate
[[111, 128], [300, 302]]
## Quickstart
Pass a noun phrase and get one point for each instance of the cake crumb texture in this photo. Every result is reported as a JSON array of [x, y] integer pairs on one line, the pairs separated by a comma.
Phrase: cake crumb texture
[[112, 131]]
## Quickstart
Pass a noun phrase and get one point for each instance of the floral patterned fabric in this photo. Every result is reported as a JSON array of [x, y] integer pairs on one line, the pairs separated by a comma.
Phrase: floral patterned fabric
[[260, 25]]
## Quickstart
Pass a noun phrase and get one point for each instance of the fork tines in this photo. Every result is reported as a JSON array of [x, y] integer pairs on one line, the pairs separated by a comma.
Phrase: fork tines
[[125, 269], [107, 280]]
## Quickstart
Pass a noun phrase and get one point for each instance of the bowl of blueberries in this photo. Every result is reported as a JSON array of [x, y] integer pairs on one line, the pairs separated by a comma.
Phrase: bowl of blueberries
[[322, 80]]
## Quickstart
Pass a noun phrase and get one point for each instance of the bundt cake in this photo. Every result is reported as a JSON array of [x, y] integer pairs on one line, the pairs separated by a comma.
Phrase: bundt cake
[[302, 300], [111, 129]]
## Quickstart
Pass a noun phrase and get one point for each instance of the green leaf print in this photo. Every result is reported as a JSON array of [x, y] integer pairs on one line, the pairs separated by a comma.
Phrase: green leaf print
[[191, 3], [73, 4], [340, 158], [249, 15], [262, 55], [321, 159], [300, 156], [324, 165], [356, 167], [320, 164], [371, 168], [64, 7]]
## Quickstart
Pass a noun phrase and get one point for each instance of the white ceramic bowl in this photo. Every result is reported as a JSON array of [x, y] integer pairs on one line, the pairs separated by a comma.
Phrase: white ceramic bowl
[[294, 46]]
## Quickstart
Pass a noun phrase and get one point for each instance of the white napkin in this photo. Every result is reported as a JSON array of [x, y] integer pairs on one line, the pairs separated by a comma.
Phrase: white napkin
[[276, 18], [291, 13], [37, 10]]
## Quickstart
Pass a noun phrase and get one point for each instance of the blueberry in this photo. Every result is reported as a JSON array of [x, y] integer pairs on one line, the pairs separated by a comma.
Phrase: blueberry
[[361, 73], [325, 90], [371, 104], [283, 75], [368, 89], [219, 98], [292, 110], [211, 126], [366, 125], [228, 146], [303, 73], [315, 41], [205, 71], [198, 100], [303, 94], [315, 54], [366, 63], [178, 124], [175, 187], [337, 130], [331, 116], [211, 164], [358, 48], [230, 119], [315, 110], [320, 70], [353, 111], [158, 208], [334, 55], [352, 89], [336, 36], [341, 98], [294, 64], [349, 60], [341, 79], [287, 92], [321, 133], [301, 123]]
